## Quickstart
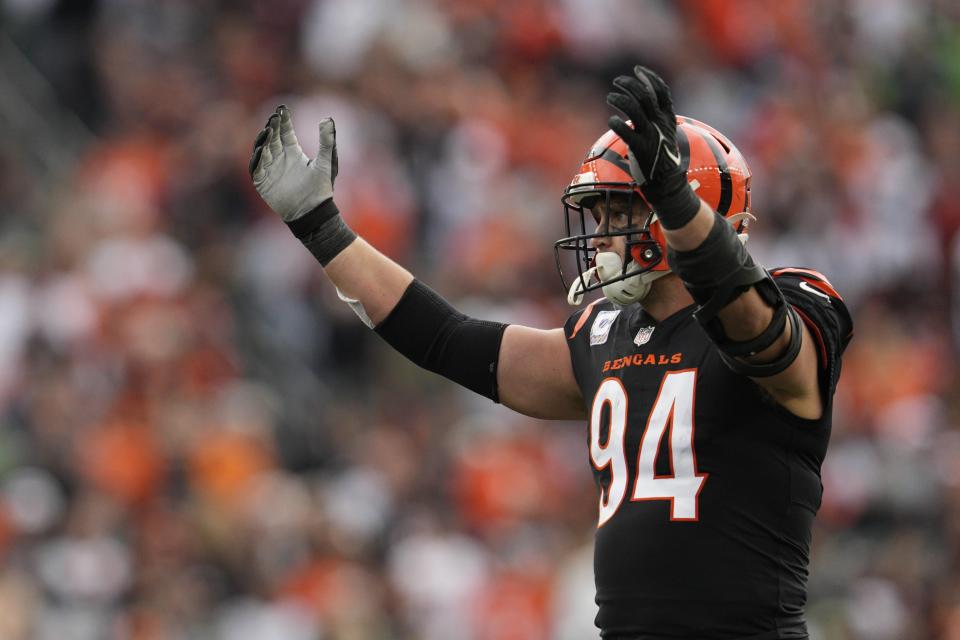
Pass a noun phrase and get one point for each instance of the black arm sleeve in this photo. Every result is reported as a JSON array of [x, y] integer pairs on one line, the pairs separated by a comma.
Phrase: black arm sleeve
[[716, 273], [432, 334]]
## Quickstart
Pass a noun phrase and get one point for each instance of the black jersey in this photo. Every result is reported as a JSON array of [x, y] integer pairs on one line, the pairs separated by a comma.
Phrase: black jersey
[[708, 488]]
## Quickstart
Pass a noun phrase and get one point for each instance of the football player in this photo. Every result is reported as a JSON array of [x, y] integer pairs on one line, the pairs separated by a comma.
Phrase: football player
[[706, 380]]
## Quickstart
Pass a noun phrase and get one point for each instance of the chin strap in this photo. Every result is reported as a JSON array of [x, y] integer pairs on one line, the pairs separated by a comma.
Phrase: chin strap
[[578, 287], [740, 217]]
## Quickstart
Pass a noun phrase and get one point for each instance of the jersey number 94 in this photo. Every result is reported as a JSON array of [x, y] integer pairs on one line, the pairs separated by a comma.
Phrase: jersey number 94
[[671, 414]]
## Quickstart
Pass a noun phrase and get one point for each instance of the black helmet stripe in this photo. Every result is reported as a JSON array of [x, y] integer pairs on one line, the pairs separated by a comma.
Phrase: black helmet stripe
[[613, 157], [726, 182]]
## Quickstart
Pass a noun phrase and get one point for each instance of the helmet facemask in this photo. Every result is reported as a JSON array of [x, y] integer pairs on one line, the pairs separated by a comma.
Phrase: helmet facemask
[[624, 280]]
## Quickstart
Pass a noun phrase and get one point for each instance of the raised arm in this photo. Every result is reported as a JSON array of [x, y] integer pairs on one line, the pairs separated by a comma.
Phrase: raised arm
[[757, 332], [528, 370], [533, 374], [749, 315]]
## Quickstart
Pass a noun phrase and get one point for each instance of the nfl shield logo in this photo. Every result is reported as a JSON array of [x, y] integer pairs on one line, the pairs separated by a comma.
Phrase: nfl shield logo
[[643, 336]]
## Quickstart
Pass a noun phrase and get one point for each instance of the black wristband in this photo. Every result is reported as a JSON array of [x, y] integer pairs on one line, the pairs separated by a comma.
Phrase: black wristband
[[674, 208], [323, 231]]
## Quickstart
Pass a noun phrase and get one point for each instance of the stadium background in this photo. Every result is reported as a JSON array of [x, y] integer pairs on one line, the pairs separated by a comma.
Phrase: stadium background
[[198, 441]]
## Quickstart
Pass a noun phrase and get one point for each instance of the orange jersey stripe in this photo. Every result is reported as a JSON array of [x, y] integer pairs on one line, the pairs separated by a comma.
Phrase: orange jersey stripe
[[818, 280], [587, 312]]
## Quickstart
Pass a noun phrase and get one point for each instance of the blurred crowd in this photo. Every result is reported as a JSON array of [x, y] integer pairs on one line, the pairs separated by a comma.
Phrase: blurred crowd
[[198, 440]]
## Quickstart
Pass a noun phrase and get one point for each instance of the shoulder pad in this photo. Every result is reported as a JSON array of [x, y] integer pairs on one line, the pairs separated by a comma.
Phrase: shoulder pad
[[808, 280], [822, 309]]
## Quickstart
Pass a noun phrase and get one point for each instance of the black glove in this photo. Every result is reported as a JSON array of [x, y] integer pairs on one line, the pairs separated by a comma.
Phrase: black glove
[[655, 162]]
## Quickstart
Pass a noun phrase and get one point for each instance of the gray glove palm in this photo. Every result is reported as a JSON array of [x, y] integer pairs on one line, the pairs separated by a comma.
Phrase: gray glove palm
[[288, 181]]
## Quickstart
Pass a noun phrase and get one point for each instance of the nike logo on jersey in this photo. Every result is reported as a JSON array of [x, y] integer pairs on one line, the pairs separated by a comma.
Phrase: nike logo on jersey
[[806, 287]]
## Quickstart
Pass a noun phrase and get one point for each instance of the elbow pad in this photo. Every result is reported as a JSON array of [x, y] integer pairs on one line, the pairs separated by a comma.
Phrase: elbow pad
[[429, 332], [716, 273]]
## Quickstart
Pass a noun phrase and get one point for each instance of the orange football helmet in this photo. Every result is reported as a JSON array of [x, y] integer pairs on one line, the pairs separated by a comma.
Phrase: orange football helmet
[[716, 170]]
